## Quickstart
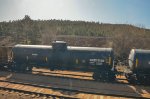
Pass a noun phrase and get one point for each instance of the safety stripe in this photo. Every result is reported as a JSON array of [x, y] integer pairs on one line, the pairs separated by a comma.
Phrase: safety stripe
[[136, 62], [109, 60], [46, 59], [77, 61], [27, 58]]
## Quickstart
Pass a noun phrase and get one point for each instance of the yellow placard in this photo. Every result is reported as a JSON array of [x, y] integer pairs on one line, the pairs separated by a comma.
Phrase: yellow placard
[[136, 62], [46, 59], [109, 60], [77, 61]]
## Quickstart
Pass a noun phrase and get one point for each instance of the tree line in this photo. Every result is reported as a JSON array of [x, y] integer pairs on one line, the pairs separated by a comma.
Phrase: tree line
[[121, 37]]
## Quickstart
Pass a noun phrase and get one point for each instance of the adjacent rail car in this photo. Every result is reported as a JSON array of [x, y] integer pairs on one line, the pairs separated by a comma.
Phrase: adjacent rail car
[[5, 56], [63, 57], [139, 63]]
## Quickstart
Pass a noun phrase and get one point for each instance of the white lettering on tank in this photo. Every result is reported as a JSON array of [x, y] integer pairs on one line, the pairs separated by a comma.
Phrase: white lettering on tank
[[34, 54], [96, 61]]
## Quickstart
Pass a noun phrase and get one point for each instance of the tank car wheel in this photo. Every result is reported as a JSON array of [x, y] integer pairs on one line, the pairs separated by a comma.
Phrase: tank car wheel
[[95, 76], [104, 76], [29, 68], [111, 76], [23, 68], [141, 79], [2, 67], [11, 67], [16, 67], [99, 76], [131, 78], [52, 68]]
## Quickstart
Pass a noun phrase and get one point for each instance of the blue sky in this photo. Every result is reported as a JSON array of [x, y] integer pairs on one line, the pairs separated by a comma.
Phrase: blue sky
[[136, 12]]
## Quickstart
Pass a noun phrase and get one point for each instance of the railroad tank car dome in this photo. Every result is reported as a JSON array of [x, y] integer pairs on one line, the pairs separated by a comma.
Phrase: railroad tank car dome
[[59, 46], [58, 42]]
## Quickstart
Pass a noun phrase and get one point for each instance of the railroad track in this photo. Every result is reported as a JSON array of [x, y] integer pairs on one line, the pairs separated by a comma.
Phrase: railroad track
[[79, 86], [47, 92], [78, 75], [86, 76], [120, 78], [75, 75], [31, 89]]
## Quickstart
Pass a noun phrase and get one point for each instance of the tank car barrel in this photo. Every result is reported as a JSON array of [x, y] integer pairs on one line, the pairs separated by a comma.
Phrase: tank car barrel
[[139, 63], [60, 56]]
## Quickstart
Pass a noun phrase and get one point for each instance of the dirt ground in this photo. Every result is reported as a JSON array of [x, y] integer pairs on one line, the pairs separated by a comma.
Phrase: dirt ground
[[16, 95]]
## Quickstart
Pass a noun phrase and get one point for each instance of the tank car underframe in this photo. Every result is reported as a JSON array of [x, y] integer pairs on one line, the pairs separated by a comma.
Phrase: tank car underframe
[[138, 77], [104, 74], [21, 67]]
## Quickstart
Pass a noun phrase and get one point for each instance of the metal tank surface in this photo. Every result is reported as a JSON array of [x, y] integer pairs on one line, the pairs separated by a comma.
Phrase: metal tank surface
[[139, 63], [139, 59], [27, 56], [63, 57]]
